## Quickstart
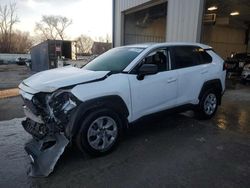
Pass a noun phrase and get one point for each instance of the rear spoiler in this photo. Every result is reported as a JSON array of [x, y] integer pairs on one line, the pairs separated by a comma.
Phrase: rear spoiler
[[210, 48]]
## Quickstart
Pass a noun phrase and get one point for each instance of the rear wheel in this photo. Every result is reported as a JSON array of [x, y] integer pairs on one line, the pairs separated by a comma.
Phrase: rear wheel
[[100, 132], [208, 104]]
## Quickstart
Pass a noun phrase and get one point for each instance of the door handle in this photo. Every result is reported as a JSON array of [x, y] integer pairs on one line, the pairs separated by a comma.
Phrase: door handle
[[204, 72], [172, 80]]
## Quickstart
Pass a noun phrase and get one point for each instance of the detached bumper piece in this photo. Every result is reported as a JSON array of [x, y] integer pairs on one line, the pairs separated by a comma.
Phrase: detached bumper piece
[[35, 129], [45, 153]]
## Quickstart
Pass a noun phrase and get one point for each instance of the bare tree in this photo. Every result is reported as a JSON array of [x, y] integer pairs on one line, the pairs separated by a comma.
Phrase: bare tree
[[84, 44], [52, 27], [8, 18], [106, 39], [61, 24], [21, 42]]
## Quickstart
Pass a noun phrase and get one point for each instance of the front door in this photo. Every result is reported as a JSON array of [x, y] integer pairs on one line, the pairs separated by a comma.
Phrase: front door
[[155, 92]]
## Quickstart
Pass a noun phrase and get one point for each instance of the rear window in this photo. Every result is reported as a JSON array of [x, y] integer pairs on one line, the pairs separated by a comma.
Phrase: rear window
[[187, 56], [205, 57]]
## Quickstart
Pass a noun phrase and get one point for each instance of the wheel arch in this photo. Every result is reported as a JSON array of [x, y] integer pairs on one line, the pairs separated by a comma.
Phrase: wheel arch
[[212, 84], [113, 102]]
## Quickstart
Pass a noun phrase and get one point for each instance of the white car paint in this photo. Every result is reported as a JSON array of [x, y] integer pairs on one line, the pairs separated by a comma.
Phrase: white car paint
[[215, 69], [154, 93], [116, 84], [51, 80], [190, 83]]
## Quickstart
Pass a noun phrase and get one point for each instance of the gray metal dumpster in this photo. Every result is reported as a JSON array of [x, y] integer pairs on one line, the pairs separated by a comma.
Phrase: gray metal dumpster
[[44, 55]]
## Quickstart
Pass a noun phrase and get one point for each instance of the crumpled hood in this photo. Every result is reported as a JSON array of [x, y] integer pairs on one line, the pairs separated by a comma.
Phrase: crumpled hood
[[51, 80]]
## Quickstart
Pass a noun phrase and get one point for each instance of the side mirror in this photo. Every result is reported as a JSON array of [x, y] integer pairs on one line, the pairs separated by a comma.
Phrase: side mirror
[[146, 69]]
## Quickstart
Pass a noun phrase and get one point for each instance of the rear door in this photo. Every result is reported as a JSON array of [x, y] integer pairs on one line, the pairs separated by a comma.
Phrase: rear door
[[192, 71]]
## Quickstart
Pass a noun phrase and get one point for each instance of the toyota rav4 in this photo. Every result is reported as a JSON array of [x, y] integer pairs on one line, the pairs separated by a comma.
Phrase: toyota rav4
[[91, 106]]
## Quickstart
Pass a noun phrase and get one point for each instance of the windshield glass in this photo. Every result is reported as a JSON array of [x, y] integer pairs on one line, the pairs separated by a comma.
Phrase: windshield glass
[[114, 60]]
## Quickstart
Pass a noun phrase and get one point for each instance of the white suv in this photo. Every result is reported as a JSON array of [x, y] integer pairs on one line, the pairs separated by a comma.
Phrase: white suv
[[92, 105]]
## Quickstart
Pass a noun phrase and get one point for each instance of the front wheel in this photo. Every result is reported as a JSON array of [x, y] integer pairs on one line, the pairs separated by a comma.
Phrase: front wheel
[[208, 105], [100, 132]]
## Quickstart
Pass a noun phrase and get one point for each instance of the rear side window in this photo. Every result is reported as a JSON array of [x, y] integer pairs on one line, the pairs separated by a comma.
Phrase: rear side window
[[187, 56], [205, 57]]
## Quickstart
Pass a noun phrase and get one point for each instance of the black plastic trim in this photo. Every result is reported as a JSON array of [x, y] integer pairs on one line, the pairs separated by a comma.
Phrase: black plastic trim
[[212, 84], [113, 102], [160, 114]]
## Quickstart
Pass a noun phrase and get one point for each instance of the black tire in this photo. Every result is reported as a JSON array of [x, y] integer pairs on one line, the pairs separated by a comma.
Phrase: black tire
[[83, 139], [202, 111]]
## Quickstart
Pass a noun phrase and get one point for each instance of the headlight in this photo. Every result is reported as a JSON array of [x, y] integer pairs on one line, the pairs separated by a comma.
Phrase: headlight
[[61, 102]]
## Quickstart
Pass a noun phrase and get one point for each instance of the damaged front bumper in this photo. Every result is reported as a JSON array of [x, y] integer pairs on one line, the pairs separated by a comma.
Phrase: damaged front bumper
[[47, 121], [45, 153], [44, 149]]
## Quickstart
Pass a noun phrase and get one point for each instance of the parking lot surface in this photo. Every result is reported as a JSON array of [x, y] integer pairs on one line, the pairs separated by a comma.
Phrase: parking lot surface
[[171, 151], [11, 75]]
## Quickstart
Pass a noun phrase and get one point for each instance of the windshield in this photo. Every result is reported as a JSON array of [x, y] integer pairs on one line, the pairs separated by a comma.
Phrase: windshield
[[114, 60]]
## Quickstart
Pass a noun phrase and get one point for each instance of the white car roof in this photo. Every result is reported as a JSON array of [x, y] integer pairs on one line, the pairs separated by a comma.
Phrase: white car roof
[[153, 45]]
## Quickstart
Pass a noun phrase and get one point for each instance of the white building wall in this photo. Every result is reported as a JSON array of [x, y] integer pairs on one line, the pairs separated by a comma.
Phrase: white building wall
[[119, 7], [127, 4], [183, 19]]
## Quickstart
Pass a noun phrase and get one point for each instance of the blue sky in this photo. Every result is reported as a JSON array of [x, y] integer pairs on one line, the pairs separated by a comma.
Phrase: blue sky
[[90, 17]]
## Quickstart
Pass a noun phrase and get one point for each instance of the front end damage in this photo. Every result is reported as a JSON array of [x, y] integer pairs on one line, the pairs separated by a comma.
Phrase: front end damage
[[48, 118]]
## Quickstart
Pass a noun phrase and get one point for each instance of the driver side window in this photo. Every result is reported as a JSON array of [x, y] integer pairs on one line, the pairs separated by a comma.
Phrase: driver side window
[[158, 57]]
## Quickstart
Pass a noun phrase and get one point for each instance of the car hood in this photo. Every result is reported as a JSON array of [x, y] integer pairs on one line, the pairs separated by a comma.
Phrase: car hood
[[51, 80]]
